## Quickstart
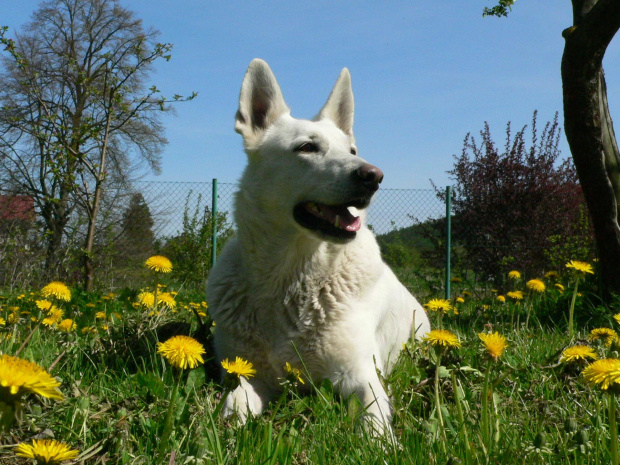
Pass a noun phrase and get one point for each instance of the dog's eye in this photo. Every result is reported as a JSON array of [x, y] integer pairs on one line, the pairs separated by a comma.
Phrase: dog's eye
[[353, 151], [308, 147]]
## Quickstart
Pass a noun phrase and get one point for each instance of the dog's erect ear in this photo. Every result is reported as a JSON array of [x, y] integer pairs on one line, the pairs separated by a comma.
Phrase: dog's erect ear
[[260, 102], [339, 107]]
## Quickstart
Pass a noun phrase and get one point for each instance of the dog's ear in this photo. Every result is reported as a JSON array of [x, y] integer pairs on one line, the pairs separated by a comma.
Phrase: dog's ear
[[260, 103], [339, 106]]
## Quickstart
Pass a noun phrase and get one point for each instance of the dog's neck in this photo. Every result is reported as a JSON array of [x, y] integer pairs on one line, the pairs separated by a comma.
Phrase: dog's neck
[[277, 251]]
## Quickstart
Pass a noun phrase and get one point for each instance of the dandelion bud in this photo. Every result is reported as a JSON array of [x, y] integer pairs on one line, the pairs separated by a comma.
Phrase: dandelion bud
[[582, 437], [571, 425], [540, 440]]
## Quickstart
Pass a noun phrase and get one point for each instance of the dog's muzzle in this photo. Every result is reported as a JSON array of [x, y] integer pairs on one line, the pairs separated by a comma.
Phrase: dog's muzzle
[[337, 221]]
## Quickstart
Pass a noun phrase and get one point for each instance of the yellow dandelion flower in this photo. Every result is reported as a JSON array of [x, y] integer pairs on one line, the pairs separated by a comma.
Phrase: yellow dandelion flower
[[455, 279], [146, 299], [22, 376], [578, 353], [159, 264], [467, 293], [580, 268], [294, 373], [101, 316], [617, 318], [53, 317], [460, 300], [442, 338], [90, 305], [607, 335], [535, 285], [67, 325], [552, 275], [182, 351], [58, 290], [89, 330], [494, 343], [439, 305], [239, 367], [44, 305], [514, 274], [165, 298], [14, 309], [2, 322], [605, 372], [516, 295], [559, 287], [48, 451], [501, 299]]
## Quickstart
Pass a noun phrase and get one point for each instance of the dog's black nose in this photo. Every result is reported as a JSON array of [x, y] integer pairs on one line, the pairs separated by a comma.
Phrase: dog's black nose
[[371, 176]]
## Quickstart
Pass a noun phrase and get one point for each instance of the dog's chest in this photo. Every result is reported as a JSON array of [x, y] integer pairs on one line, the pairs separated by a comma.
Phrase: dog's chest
[[312, 300]]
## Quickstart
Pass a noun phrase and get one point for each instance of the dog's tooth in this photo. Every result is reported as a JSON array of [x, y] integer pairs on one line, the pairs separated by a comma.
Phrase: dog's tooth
[[337, 222]]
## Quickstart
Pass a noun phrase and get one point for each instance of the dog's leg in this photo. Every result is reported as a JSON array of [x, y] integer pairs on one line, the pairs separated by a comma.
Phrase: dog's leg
[[377, 416], [248, 399]]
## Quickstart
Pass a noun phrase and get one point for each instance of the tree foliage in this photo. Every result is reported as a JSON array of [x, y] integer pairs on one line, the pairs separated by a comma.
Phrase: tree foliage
[[588, 124], [509, 201], [136, 241], [502, 9], [75, 111], [191, 251]]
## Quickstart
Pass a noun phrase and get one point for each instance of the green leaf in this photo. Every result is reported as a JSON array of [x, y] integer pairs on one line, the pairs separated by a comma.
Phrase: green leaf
[[195, 380], [152, 383]]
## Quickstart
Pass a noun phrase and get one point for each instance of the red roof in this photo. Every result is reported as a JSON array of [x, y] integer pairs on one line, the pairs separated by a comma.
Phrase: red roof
[[16, 207]]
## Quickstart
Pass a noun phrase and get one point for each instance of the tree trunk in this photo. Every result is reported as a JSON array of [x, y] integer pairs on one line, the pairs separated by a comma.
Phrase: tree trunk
[[89, 269], [56, 217], [589, 128]]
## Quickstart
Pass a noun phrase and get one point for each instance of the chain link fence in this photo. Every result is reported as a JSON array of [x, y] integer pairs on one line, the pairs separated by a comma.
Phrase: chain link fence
[[391, 209], [178, 219]]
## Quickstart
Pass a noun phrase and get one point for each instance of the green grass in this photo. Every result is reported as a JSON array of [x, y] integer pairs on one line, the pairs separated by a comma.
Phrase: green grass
[[116, 391]]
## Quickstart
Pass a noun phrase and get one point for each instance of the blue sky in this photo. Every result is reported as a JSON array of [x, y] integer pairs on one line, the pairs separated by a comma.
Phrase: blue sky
[[424, 74]]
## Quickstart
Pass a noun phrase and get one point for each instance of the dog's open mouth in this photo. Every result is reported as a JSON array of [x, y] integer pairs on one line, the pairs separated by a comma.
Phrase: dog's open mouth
[[332, 220]]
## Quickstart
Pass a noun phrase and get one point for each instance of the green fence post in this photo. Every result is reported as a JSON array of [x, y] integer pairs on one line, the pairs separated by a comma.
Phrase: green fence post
[[214, 223], [448, 237]]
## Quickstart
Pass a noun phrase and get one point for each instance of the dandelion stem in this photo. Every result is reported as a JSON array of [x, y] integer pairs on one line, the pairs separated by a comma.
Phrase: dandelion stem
[[613, 429], [438, 403], [572, 310], [486, 436], [27, 340], [459, 410], [168, 427]]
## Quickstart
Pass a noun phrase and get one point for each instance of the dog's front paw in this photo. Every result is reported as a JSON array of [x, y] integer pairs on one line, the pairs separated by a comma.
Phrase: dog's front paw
[[377, 427], [243, 401]]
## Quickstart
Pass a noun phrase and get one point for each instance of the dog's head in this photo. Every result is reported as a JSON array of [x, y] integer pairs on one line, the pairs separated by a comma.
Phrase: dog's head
[[304, 171]]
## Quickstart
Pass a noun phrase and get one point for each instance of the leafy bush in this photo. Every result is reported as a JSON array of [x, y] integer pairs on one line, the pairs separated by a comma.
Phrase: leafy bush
[[191, 249], [510, 201]]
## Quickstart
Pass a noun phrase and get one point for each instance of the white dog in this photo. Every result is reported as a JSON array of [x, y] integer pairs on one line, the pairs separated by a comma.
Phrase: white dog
[[303, 281]]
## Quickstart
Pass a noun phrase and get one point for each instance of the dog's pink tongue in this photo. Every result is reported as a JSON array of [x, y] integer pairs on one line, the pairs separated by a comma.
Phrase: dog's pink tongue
[[339, 216]]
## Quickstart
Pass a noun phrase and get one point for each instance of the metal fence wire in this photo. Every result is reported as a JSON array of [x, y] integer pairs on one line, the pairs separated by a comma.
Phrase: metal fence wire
[[168, 201], [410, 224]]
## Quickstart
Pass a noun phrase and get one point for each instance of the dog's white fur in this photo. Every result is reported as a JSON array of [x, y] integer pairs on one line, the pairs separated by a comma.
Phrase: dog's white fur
[[280, 291]]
